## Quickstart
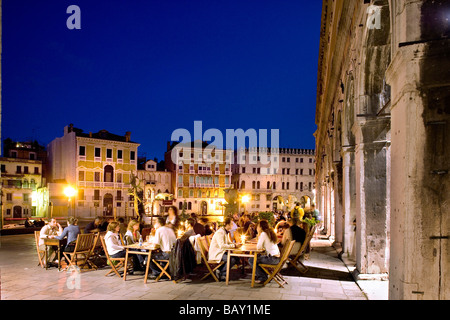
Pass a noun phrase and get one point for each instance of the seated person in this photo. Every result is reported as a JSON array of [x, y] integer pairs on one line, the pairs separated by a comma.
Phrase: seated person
[[50, 231], [202, 228], [132, 236], [28, 223], [94, 226], [71, 232], [190, 223], [164, 240], [115, 248], [294, 232], [267, 241], [217, 250]]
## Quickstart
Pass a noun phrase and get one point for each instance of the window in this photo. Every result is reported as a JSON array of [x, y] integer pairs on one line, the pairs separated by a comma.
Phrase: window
[[119, 178], [132, 155], [274, 185], [288, 159], [25, 169], [97, 176], [287, 185], [191, 194], [268, 184], [296, 159], [9, 197], [109, 153], [36, 170], [254, 170], [253, 184], [310, 160], [32, 156], [301, 160], [282, 171], [98, 153], [301, 172], [243, 169], [282, 185], [258, 185], [119, 154], [19, 169], [13, 154], [81, 194], [301, 186], [189, 205], [80, 175], [288, 171], [82, 151], [96, 194], [283, 159], [3, 168], [296, 186]]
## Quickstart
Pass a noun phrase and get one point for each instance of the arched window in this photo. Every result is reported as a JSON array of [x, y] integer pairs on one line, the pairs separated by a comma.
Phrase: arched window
[[108, 174]]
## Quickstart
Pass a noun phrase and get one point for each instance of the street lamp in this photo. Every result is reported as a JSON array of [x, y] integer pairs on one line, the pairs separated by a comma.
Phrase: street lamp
[[70, 192], [244, 200]]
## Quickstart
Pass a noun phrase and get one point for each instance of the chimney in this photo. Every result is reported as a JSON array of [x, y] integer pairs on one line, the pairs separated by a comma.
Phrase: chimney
[[90, 134], [127, 136], [71, 127]]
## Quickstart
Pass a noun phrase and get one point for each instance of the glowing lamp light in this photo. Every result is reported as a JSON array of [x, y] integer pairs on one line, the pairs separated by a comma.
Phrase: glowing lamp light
[[243, 238], [245, 199], [70, 192]]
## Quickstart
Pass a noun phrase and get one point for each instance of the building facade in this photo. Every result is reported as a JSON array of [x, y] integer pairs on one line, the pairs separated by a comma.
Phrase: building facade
[[156, 186], [99, 166], [274, 179], [23, 192], [382, 140], [200, 173]]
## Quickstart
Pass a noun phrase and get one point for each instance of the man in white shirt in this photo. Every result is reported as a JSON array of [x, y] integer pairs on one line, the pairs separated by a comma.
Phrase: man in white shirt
[[217, 249], [164, 239], [50, 231]]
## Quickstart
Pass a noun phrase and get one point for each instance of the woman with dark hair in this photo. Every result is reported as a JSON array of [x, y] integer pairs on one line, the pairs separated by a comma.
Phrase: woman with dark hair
[[267, 240], [173, 221]]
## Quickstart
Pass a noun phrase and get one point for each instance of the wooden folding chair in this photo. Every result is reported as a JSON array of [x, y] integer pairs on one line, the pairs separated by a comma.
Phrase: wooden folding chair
[[163, 269], [116, 263], [273, 271], [295, 260], [41, 253], [83, 247], [212, 266]]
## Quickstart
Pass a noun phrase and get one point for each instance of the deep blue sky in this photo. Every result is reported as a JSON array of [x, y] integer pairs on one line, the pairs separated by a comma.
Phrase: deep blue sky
[[150, 67]]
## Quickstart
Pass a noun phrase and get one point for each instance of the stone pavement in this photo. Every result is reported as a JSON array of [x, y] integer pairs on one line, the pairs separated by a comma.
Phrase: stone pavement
[[21, 278]]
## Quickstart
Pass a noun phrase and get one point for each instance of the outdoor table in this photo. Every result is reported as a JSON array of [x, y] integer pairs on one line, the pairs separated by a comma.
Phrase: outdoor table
[[145, 250], [246, 250], [53, 242]]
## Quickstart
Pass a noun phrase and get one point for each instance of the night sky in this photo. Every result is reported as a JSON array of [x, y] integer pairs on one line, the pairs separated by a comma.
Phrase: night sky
[[151, 67]]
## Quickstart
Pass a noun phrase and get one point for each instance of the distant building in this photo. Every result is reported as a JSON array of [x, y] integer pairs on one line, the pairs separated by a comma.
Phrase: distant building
[[274, 178], [157, 187], [200, 173], [99, 165], [23, 185]]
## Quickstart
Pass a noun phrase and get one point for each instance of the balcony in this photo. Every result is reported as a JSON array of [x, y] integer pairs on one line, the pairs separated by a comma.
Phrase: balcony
[[216, 172], [191, 171], [99, 184]]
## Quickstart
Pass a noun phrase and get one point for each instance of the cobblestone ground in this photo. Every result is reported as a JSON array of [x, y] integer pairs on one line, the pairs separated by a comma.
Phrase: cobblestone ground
[[22, 279]]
